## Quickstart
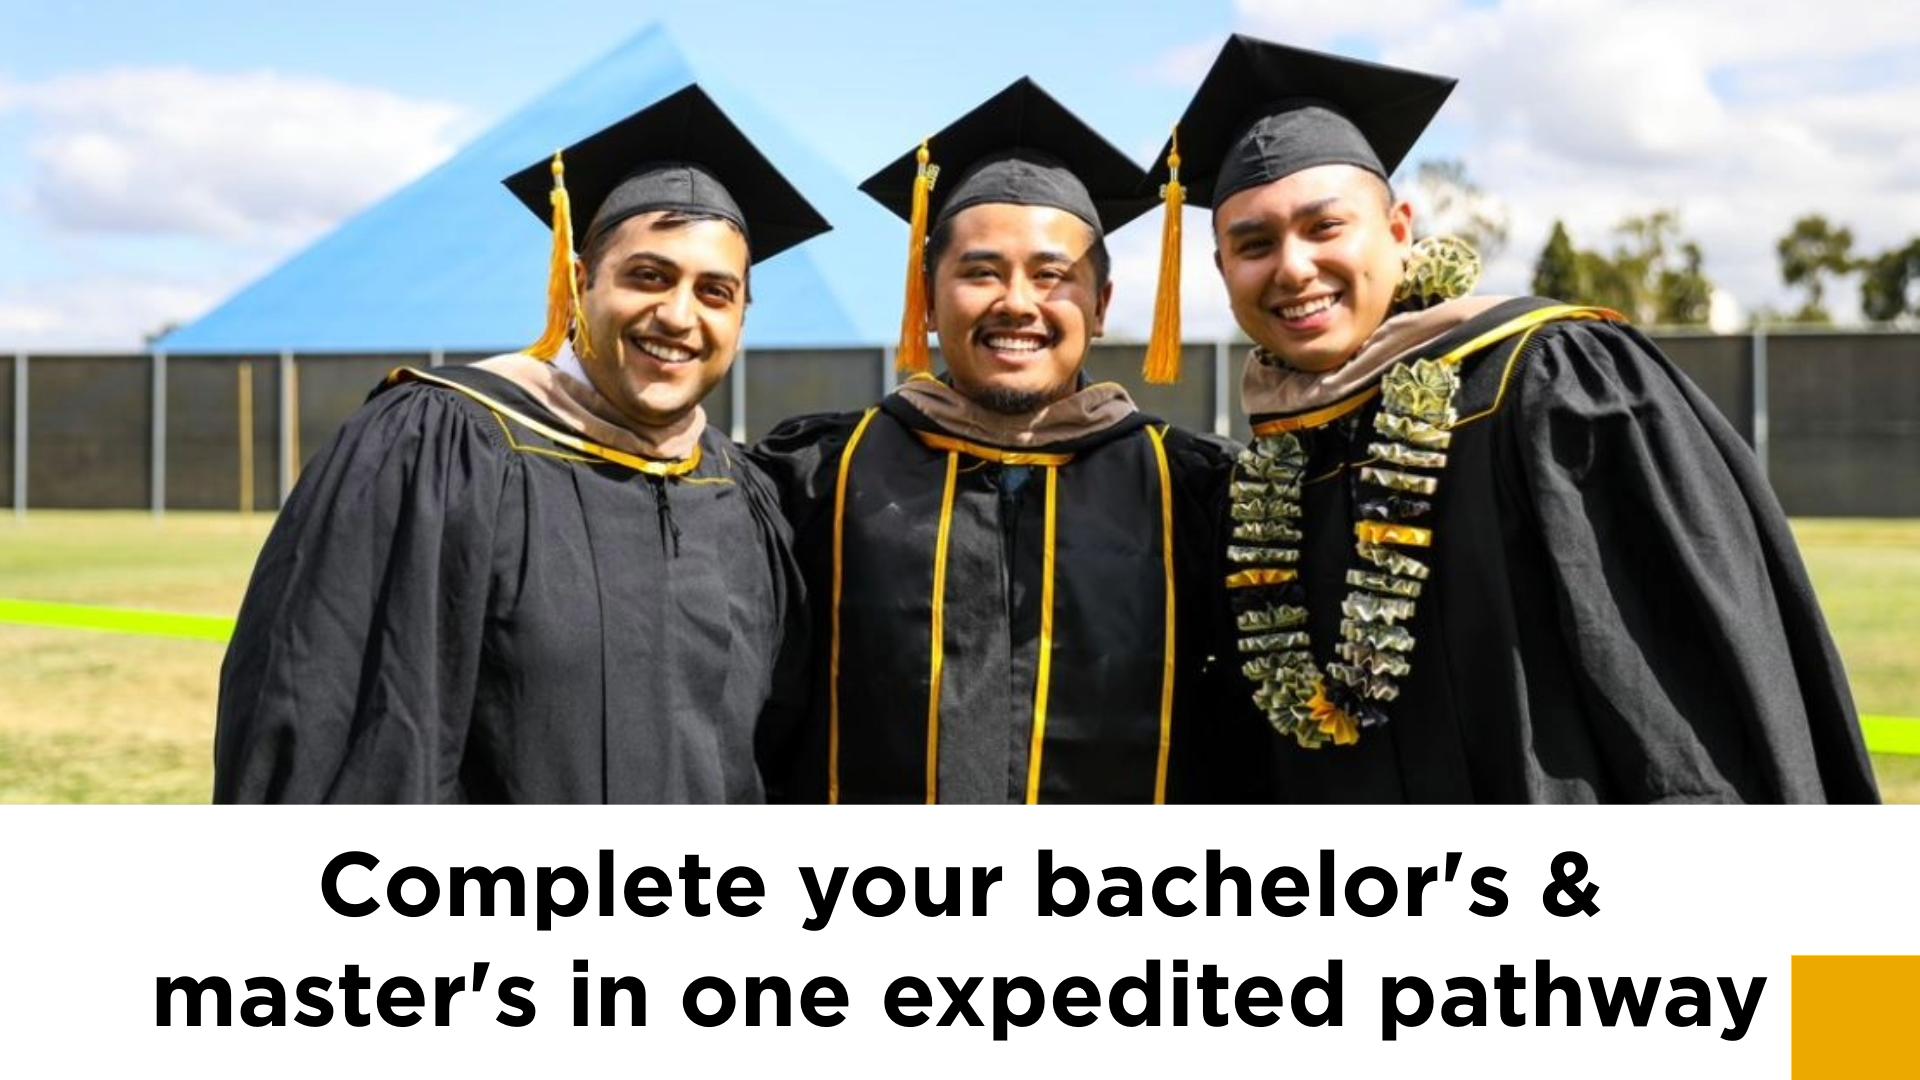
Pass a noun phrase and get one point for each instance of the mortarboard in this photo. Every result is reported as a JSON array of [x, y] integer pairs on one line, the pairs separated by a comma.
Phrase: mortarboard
[[1266, 111], [1020, 146], [682, 154]]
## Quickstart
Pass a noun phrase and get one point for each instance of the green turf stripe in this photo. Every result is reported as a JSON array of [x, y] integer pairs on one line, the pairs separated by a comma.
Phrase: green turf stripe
[[1885, 734], [1892, 734], [116, 620]]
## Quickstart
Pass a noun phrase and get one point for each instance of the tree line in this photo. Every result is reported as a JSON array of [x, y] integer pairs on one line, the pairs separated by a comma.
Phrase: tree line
[[1653, 273], [1815, 251]]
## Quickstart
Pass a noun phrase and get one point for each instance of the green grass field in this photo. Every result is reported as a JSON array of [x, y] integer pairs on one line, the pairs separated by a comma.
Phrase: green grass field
[[93, 717]]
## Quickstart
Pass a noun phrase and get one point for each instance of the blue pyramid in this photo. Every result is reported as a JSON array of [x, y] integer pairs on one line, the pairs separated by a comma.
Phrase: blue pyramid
[[454, 262]]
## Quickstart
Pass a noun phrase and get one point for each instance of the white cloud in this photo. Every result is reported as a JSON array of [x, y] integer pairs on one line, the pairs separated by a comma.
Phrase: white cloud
[[112, 313], [260, 158], [1624, 108], [1316, 24], [1184, 66], [1742, 116], [1720, 32]]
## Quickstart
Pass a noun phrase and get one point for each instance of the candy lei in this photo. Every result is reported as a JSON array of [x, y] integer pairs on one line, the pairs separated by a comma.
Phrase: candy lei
[[1376, 647]]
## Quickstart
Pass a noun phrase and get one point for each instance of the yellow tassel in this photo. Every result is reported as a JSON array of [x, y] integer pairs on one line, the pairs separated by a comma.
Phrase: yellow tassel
[[1163, 347], [913, 357], [562, 296]]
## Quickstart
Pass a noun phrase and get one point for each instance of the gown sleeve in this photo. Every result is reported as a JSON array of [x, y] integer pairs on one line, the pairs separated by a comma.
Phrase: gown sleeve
[[354, 664], [1703, 663], [1225, 747], [786, 706], [801, 457], [800, 463]]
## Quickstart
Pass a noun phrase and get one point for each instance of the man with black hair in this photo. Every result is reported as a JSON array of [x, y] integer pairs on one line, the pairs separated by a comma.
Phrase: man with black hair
[[1489, 550], [544, 577], [1012, 569]]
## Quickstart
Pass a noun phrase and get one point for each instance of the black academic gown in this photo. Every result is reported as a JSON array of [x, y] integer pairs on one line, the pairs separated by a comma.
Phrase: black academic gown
[[997, 626], [1616, 610], [452, 608]]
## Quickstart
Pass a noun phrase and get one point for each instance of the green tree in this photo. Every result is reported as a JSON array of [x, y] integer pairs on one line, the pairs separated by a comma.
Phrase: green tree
[[1639, 253], [1654, 274], [1451, 204], [1685, 296], [1658, 272], [1557, 272], [1811, 252], [1888, 287], [1605, 282]]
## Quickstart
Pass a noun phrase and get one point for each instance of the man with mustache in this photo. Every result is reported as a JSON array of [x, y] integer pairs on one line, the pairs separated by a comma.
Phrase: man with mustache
[[1495, 550], [1011, 569], [544, 578]]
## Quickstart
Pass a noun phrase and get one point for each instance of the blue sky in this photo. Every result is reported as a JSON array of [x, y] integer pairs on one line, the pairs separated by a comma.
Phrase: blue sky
[[130, 193], [822, 64]]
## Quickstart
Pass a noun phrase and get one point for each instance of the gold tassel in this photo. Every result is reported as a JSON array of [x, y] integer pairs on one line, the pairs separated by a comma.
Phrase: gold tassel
[[913, 357], [562, 296], [1163, 347]]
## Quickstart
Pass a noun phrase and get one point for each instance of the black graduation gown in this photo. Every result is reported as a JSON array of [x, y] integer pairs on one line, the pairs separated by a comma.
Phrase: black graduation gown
[[1616, 610], [1050, 581], [453, 607]]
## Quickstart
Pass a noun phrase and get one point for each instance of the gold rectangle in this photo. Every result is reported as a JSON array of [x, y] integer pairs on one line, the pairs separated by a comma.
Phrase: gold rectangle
[[1853, 1016]]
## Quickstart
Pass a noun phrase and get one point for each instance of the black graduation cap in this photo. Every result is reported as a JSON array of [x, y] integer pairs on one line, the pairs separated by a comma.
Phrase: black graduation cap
[[1020, 146], [1266, 111], [680, 153]]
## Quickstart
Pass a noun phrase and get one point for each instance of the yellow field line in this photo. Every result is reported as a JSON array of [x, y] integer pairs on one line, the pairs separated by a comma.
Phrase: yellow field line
[[116, 620], [1892, 734]]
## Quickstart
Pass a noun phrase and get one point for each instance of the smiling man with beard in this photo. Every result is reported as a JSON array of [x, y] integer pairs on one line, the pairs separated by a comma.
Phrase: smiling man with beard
[[1012, 569], [1494, 550], [544, 578]]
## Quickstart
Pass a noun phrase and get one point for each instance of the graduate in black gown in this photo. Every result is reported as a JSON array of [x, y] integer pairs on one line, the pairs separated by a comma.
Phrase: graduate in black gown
[[1014, 572], [544, 578], [1491, 550]]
